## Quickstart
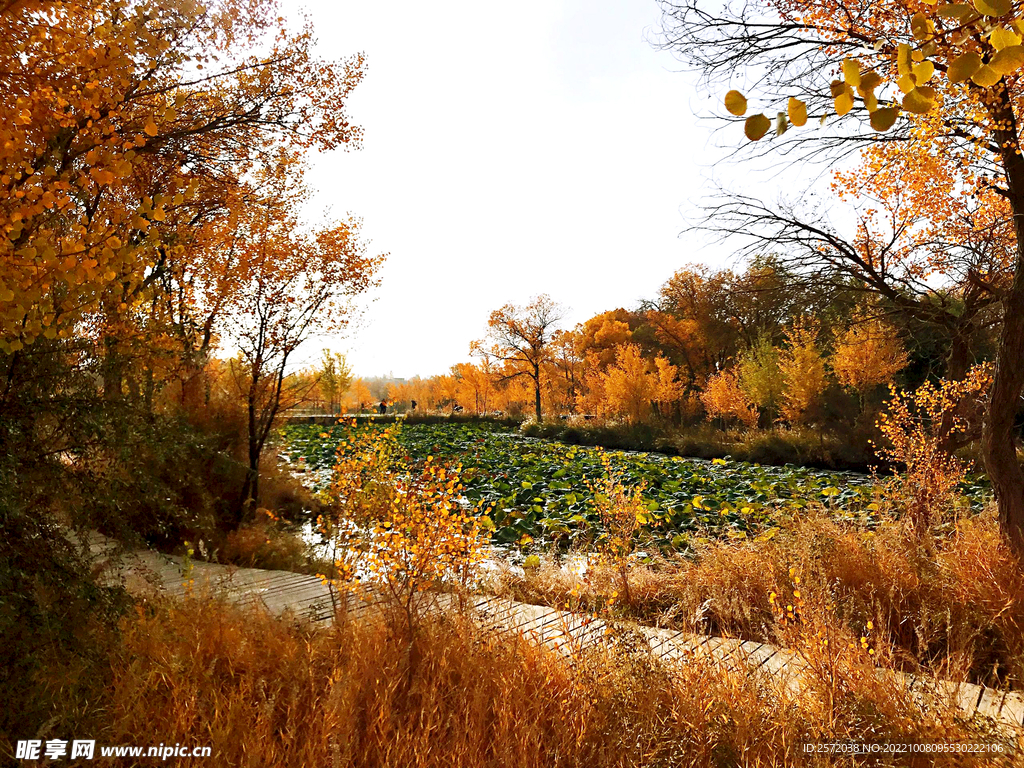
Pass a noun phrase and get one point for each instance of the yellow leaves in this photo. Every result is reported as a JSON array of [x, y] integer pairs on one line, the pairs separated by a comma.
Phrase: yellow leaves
[[921, 26], [843, 103], [923, 72], [756, 126], [920, 100], [993, 7], [797, 111], [150, 129], [985, 77], [903, 59], [869, 81], [868, 354], [851, 72], [963, 67], [958, 11], [736, 103], [102, 176], [1002, 37], [781, 124], [1008, 60]]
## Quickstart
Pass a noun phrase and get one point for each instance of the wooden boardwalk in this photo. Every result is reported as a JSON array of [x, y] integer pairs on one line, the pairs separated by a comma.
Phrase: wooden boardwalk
[[308, 597]]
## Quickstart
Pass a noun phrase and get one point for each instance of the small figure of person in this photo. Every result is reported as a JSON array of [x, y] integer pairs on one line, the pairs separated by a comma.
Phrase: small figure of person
[[412, 405], [382, 408]]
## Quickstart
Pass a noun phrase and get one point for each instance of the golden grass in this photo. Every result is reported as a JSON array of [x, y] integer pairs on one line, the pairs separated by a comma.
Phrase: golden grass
[[952, 604], [268, 692]]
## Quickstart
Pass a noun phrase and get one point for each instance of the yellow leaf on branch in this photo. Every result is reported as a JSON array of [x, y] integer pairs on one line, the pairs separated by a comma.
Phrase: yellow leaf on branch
[[843, 103], [756, 127], [1008, 60], [920, 100], [993, 7], [986, 77], [883, 119], [963, 67], [797, 112], [851, 72], [736, 103], [956, 11], [923, 72], [1003, 38]]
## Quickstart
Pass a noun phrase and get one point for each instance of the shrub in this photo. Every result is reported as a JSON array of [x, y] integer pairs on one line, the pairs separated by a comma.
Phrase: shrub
[[262, 691], [264, 545], [955, 609]]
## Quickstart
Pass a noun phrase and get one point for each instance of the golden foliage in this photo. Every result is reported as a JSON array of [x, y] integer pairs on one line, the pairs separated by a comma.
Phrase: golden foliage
[[868, 353], [623, 512], [124, 126], [917, 426], [631, 385], [803, 371], [405, 529], [725, 399]]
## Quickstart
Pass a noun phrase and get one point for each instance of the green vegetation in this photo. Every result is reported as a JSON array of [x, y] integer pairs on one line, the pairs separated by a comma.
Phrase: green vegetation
[[541, 489]]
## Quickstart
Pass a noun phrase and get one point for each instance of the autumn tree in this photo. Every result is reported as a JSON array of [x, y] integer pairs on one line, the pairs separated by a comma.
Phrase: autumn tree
[[568, 362], [704, 319], [723, 398], [867, 354], [522, 338], [601, 336], [359, 395], [760, 375], [334, 377], [296, 284], [474, 386], [936, 80], [117, 113], [629, 388], [803, 373]]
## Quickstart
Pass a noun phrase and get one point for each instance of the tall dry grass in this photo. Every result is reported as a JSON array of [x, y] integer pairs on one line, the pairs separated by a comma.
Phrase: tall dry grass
[[267, 692], [951, 604]]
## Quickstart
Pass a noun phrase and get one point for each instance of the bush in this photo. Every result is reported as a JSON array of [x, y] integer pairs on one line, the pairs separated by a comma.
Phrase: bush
[[953, 607], [55, 620], [262, 691], [777, 446], [264, 545]]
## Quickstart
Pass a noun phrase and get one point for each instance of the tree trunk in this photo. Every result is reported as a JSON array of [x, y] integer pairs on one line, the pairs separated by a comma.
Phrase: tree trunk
[[536, 393], [960, 356], [999, 441], [113, 369], [250, 488]]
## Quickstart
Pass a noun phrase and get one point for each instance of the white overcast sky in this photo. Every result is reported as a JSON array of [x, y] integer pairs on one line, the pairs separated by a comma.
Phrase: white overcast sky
[[510, 149]]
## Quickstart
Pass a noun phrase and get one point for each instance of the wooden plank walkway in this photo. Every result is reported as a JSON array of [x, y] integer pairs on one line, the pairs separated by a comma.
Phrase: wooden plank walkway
[[308, 597]]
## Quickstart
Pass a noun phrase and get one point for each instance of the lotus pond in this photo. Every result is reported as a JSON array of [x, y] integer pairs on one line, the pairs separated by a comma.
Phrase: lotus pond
[[539, 489]]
